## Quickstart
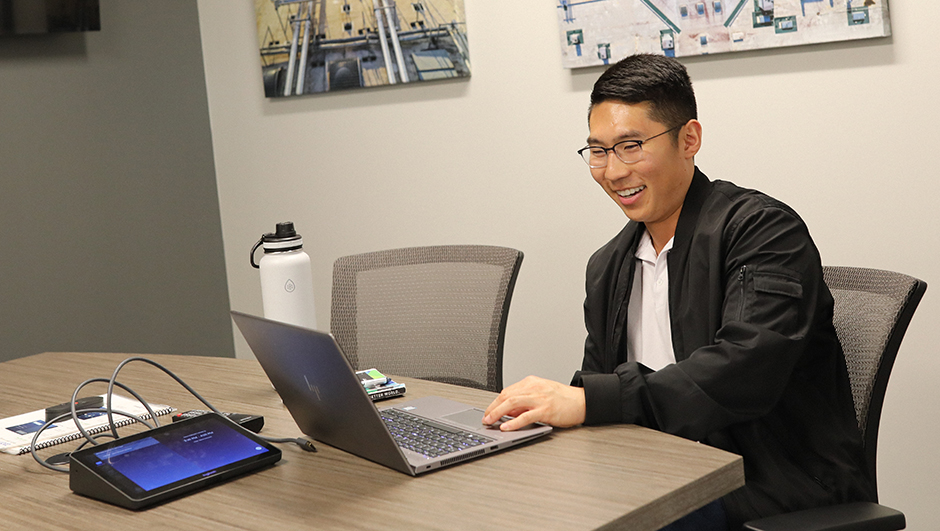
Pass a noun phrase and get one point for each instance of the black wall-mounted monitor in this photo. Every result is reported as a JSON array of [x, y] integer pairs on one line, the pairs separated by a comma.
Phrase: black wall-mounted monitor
[[22, 17]]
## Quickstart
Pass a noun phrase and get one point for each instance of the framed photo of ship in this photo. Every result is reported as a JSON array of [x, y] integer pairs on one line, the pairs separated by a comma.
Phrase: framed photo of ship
[[316, 46], [598, 32]]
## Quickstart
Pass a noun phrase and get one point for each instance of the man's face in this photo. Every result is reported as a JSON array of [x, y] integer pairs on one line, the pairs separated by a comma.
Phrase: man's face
[[651, 190]]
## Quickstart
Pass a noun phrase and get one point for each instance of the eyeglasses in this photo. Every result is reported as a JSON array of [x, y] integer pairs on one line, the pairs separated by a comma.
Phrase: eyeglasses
[[628, 151]]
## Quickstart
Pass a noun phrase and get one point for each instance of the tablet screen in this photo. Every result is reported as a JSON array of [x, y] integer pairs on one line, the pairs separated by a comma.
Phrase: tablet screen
[[167, 457]]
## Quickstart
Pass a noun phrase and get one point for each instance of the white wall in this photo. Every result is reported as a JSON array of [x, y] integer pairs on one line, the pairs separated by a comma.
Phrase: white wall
[[841, 132]]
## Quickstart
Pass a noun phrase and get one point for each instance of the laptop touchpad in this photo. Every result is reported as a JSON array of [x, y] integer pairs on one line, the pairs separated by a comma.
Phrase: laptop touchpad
[[471, 418]]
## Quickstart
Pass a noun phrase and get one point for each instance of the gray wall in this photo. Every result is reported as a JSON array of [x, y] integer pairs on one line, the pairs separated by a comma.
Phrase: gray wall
[[110, 238]]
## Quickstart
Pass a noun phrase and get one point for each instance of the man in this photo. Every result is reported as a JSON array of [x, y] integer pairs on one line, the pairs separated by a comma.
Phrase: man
[[707, 316]]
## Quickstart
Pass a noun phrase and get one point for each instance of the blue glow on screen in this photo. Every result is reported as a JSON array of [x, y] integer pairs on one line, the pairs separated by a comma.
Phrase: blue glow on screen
[[153, 462]]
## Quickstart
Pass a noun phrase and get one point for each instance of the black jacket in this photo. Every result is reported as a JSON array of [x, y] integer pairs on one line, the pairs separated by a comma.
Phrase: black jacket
[[759, 370]]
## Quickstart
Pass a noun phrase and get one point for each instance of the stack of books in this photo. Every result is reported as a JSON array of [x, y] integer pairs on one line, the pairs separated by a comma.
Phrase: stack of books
[[379, 386]]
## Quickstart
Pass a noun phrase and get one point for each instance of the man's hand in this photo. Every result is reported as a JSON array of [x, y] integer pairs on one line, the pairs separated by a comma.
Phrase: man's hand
[[537, 400]]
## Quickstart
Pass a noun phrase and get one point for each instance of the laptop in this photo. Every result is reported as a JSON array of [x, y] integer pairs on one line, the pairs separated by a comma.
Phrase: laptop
[[328, 402]]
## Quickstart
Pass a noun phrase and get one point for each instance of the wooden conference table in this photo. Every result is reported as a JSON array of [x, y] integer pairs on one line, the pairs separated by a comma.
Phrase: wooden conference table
[[610, 477]]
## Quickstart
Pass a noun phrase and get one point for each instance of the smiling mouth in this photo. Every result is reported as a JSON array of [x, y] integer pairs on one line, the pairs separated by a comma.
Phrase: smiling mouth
[[631, 191]]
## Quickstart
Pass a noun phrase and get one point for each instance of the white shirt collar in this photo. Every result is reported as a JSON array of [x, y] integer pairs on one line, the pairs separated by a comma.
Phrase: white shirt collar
[[645, 250]]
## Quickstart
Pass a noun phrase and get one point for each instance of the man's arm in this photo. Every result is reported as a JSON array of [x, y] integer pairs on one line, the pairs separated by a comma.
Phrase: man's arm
[[538, 400]]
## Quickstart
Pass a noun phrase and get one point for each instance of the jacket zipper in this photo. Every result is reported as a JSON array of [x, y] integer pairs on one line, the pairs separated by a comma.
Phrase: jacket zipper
[[742, 276]]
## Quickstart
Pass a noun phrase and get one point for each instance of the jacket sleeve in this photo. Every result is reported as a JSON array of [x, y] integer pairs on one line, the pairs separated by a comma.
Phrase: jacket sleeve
[[768, 303], [601, 385]]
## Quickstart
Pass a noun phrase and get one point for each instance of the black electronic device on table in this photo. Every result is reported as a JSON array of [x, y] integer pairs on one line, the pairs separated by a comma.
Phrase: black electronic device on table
[[249, 422], [87, 402], [159, 464]]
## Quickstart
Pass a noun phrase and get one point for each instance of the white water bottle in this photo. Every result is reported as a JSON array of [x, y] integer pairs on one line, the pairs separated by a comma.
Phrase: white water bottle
[[286, 277]]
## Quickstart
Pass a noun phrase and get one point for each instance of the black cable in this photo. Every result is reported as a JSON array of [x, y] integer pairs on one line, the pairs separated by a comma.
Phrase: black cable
[[113, 382], [305, 444], [90, 438], [111, 424]]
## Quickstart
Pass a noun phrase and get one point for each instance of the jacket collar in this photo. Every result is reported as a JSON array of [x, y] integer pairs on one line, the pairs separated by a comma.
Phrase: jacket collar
[[688, 218]]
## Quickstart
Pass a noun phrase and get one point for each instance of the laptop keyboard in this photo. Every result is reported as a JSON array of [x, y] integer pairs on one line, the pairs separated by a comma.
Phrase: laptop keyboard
[[429, 438]]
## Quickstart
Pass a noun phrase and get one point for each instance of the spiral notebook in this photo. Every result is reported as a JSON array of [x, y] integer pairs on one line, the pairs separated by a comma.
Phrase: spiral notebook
[[17, 432]]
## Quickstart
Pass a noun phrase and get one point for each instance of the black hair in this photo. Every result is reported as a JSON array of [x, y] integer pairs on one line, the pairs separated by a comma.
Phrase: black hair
[[662, 81]]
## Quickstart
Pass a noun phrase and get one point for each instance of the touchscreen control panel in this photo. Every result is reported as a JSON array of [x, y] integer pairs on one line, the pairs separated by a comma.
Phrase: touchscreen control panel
[[153, 466]]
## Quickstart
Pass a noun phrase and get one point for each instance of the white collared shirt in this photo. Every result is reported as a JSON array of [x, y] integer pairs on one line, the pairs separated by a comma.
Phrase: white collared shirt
[[649, 330]]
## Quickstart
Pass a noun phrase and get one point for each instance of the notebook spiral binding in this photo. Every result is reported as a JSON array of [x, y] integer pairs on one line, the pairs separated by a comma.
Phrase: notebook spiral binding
[[164, 410]]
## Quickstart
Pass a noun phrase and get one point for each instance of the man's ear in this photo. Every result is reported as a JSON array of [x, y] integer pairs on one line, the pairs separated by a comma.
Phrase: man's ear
[[690, 138]]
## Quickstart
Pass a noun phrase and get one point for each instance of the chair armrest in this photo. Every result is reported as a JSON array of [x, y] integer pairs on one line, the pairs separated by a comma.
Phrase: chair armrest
[[860, 516]]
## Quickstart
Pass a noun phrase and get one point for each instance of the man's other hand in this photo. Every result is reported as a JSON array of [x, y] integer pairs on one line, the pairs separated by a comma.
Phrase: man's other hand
[[536, 399]]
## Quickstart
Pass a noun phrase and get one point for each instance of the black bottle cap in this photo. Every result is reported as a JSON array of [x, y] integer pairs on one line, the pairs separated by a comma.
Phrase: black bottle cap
[[285, 229], [283, 232], [284, 238]]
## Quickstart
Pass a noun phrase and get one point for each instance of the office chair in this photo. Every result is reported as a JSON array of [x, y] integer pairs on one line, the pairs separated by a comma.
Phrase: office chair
[[436, 313], [872, 311]]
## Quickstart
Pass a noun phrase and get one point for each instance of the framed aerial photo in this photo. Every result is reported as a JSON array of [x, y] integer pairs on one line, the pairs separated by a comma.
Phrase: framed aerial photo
[[317, 46], [597, 32]]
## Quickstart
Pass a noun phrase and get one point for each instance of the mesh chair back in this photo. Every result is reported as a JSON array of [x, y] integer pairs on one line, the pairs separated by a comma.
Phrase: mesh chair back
[[872, 311], [437, 313]]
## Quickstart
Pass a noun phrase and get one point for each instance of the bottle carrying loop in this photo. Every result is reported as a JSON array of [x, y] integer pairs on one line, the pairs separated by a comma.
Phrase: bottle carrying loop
[[252, 255]]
